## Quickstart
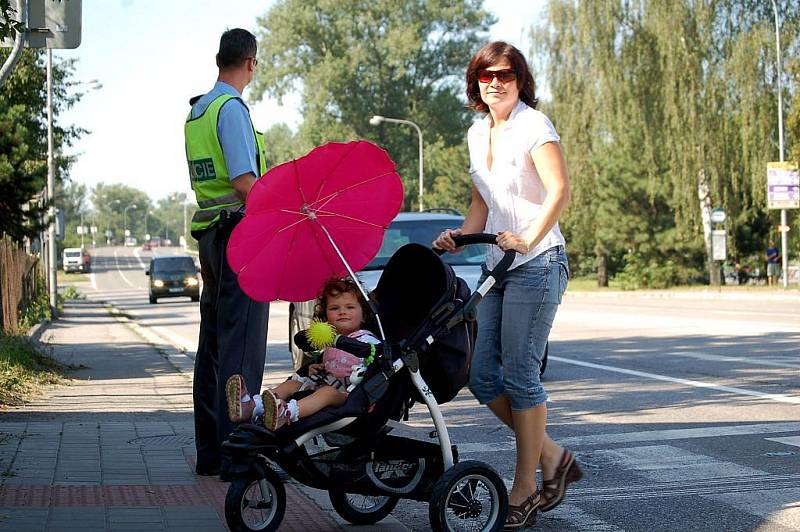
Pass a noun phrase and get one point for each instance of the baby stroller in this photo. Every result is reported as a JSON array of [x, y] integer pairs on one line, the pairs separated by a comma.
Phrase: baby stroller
[[349, 450]]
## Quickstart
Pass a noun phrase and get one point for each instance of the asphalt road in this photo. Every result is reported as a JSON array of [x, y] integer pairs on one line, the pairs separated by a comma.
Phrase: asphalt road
[[683, 408]]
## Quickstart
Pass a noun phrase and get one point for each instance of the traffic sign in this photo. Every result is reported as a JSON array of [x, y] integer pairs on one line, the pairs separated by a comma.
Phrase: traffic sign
[[783, 186], [718, 216], [51, 24], [719, 249]]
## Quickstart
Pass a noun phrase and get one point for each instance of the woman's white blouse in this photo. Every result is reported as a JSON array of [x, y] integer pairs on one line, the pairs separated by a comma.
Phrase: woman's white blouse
[[512, 189]]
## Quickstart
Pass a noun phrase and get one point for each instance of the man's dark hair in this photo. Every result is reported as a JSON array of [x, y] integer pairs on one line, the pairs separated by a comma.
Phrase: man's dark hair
[[235, 46]]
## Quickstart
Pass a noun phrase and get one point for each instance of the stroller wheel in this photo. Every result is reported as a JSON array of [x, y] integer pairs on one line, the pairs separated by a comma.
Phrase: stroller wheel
[[469, 496], [362, 509], [255, 503]]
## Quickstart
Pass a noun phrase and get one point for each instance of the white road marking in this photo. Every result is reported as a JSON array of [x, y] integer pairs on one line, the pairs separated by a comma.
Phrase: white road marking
[[644, 436], [687, 382], [791, 440], [665, 463], [93, 280], [120, 271], [776, 506], [577, 517], [720, 358], [137, 253]]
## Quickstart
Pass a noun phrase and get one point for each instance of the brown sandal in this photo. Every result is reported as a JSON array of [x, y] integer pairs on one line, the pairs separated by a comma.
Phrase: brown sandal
[[553, 490], [235, 389], [524, 515]]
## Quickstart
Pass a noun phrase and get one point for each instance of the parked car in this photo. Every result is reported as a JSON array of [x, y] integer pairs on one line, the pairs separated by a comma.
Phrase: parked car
[[173, 276], [76, 260], [418, 227]]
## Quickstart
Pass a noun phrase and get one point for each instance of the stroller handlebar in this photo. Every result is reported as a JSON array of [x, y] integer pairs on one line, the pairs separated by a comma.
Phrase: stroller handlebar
[[502, 267]]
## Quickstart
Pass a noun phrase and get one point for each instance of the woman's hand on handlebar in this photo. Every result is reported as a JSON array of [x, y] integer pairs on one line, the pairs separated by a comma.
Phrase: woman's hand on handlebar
[[314, 369], [508, 240], [445, 240]]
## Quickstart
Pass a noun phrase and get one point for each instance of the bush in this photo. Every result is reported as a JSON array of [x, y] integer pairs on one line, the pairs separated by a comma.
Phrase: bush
[[640, 272], [23, 369], [37, 310]]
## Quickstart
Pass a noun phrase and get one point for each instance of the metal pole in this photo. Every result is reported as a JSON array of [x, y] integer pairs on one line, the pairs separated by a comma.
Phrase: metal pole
[[419, 133], [81, 230], [51, 192], [784, 234], [185, 240]]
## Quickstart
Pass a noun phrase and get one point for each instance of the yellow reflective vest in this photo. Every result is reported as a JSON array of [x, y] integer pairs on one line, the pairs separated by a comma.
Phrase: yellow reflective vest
[[207, 169]]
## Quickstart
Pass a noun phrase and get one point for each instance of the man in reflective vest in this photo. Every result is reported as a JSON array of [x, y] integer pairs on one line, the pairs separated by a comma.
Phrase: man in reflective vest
[[226, 157]]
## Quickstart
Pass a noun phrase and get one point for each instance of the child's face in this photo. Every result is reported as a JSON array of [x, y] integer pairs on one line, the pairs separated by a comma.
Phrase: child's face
[[344, 312]]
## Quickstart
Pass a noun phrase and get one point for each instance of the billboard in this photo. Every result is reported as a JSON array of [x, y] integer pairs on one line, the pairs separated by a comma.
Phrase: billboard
[[783, 186]]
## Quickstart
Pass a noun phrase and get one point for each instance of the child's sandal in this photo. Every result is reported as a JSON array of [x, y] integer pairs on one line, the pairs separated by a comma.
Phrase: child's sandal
[[235, 391]]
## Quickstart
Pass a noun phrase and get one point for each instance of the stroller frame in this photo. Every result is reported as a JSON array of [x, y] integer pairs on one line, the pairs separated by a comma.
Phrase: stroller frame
[[378, 466]]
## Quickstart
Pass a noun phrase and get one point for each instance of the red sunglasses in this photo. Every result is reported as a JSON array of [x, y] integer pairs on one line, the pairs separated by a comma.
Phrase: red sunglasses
[[504, 76]]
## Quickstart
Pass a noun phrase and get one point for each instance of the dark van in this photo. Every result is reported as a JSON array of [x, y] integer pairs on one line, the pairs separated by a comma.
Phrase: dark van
[[173, 277]]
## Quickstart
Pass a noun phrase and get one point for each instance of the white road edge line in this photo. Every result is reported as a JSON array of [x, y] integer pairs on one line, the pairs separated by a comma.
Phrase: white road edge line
[[723, 358], [137, 253], [120, 271], [687, 382]]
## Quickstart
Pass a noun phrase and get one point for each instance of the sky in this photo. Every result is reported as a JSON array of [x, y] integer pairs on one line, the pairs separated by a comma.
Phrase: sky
[[151, 56]]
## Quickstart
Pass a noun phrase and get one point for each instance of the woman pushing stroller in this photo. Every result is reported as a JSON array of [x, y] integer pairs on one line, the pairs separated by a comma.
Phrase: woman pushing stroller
[[341, 305]]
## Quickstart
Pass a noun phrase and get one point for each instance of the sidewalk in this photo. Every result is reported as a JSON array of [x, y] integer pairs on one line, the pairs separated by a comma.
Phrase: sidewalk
[[115, 449]]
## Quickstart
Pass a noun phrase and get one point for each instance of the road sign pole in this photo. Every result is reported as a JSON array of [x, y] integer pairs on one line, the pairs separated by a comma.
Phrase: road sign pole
[[51, 193]]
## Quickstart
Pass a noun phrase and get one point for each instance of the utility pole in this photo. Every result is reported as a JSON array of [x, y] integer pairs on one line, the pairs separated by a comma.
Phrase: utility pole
[[51, 193]]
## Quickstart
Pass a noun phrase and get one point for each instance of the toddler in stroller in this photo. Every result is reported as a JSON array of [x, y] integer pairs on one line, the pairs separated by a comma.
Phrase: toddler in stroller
[[341, 305], [427, 338]]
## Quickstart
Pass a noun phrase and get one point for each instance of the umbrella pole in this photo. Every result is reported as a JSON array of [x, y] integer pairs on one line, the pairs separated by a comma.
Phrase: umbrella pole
[[355, 279]]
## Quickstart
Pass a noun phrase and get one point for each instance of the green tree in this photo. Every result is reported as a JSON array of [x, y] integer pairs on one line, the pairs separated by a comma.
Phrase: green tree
[[9, 21], [23, 141], [110, 214], [657, 101], [352, 60], [72, 202], [281, 145], [169, 215]]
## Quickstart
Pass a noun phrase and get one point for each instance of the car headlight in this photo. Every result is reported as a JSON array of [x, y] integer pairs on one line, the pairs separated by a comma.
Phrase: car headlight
[[192, 281], [158, 283]]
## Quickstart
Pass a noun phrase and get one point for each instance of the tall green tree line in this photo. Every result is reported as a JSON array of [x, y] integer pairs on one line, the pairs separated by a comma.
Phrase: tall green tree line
[[659, 103]]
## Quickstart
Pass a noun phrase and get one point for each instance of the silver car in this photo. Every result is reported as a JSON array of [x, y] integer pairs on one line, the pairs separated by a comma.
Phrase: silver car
[[418, 227]]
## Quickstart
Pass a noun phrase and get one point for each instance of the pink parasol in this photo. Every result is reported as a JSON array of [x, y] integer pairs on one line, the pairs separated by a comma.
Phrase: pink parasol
[[313, 218]]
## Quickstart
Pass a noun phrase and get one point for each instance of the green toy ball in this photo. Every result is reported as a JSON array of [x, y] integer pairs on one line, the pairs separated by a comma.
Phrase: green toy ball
[[320, 334]]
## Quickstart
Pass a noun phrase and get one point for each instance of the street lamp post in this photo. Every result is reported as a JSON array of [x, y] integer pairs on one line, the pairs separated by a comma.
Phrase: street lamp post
[[784, 233], [377, 119], [125, 223]]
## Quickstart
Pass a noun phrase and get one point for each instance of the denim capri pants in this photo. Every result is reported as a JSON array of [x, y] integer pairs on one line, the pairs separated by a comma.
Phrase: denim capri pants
[[514, 321]]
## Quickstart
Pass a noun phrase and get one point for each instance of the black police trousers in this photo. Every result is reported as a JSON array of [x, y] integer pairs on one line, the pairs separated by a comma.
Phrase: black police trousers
[[233, 339]]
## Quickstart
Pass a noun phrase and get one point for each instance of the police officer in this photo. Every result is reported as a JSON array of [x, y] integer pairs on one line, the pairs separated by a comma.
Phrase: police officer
[[226, 157]]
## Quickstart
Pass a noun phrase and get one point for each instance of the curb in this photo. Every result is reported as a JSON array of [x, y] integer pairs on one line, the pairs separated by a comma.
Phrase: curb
[[176, 355], [790, 295]]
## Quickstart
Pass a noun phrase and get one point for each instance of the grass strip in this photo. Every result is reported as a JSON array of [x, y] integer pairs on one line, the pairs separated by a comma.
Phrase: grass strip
[[23, 370]]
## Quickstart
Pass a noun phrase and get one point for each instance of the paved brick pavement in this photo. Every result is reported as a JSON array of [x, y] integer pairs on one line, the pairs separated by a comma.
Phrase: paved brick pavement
[[114, 450]]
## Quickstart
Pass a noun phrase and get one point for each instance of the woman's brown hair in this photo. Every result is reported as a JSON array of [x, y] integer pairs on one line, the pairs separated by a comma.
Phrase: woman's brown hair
[[489, 55], [335, 287]]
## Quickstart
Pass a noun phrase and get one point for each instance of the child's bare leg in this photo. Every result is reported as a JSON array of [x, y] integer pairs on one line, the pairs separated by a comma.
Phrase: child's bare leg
[[324, 396], [286, 389]]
